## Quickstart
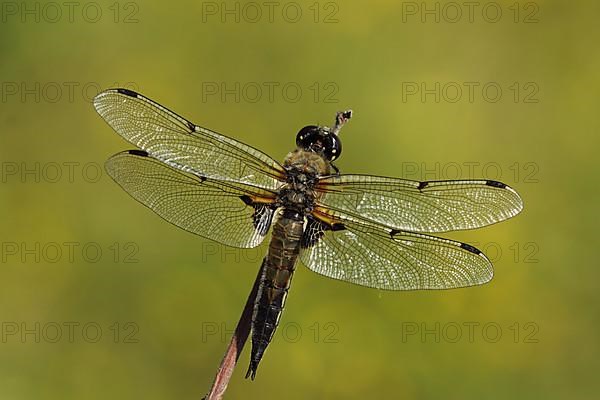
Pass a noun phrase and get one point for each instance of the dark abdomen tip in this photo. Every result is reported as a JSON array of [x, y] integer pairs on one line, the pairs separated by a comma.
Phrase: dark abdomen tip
[[251, 373]]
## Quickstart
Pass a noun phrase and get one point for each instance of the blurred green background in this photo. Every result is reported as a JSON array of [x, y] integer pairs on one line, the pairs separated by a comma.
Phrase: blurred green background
[[102, 299]]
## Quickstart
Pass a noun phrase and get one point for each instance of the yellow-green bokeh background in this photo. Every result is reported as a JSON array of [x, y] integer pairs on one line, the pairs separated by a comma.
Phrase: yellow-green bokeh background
[[182, 285]]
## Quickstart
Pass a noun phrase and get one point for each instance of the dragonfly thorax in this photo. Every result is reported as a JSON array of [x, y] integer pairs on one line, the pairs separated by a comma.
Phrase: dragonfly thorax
[[301, 201], [303, 169], [305, 164]]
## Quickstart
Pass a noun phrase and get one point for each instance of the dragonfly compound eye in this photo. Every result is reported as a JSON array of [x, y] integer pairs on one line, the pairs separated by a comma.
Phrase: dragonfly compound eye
[[319, 140], [306, 136], [333, 147]]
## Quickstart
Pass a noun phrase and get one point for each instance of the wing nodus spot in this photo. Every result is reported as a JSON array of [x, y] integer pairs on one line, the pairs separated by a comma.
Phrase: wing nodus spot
[[422, 185], [338, 226], [191, 126]]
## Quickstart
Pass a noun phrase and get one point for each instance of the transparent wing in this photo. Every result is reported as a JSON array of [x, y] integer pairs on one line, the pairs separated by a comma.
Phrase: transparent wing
[[435, 206], [184, 145], [227, 212], [372, 255]]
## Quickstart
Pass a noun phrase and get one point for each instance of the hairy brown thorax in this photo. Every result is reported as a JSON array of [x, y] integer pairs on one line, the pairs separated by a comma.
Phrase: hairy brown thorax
[[303, 169]]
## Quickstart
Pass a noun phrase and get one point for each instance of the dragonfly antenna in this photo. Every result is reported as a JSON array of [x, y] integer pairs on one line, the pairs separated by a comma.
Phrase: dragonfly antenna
[[340, 119]]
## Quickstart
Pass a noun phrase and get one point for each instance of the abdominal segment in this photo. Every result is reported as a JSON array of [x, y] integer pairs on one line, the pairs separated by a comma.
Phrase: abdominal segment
[[278, 268]]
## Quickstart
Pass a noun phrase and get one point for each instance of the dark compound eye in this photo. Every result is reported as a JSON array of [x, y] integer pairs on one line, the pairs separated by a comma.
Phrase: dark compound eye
[[319, 140], [334, 148], [306, 135]]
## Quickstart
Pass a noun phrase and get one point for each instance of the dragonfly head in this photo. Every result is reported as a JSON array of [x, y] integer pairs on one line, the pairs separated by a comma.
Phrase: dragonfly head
[[322, 139], [319, 140]]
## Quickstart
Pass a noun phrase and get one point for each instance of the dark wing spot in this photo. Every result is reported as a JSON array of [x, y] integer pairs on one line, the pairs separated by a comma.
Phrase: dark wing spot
[[247, 200], [202, 178], [338, 226], [191, 126], [314, 231], [470, 248], [422, 185], [127, 92], [262, 216], [495, 184], [136, 152], [394, 232]]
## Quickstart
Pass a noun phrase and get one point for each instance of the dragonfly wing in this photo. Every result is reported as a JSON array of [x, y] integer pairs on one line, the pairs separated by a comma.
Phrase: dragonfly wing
[[178, 142], [435, 206], [230, 213], [367, 254]]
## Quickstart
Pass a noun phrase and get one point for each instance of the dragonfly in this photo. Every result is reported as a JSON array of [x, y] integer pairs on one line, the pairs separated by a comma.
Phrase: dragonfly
[[367, 230]]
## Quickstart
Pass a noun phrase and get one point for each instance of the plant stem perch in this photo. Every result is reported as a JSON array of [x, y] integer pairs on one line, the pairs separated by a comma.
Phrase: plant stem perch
[[232, 354]]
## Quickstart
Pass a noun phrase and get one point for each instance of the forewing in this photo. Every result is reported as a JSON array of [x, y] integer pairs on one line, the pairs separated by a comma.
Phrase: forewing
[[184, 145], [230, 213], [435, 206], [371, 255]]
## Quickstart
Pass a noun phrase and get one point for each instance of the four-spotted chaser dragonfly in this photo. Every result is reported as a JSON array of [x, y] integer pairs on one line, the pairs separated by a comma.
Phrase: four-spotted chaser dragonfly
[[367, 230]]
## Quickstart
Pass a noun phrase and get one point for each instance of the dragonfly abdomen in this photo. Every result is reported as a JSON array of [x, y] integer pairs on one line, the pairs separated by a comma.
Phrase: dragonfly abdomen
[[278, 268]]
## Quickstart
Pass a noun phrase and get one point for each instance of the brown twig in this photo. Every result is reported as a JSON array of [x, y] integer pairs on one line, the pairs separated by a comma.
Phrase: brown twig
[[235, 347]]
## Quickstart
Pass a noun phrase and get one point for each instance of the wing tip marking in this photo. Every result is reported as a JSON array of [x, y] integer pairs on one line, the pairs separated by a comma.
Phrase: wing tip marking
[[500, 185], [127, 92], [137, 152], [470, 248], [496, 184]]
